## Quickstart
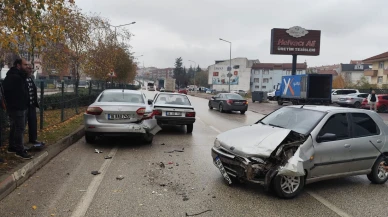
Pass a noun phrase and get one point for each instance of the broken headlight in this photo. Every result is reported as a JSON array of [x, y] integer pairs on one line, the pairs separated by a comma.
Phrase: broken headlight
[[217, 143]]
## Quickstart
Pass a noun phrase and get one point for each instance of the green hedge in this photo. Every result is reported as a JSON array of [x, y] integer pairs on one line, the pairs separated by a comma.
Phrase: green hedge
[[54, 101]]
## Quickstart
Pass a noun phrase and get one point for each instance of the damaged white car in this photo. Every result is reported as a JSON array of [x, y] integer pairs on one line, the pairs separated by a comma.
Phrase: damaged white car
[[120, 112], [297, 145]]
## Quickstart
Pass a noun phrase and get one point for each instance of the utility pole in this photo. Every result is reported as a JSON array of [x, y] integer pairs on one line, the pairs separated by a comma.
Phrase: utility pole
[[230, 61]]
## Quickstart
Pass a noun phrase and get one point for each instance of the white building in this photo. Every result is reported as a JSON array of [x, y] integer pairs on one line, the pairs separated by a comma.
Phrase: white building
[[241, 72], [352, 73], [265, 76]]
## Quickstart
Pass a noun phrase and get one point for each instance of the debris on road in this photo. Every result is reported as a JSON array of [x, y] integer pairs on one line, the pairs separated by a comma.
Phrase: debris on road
[[185, 198], [108, 157], [162, 165], [214, 196], [177, 164], [82, 190], [175, 151], [170, 168], [34, 207], [120, 177], [169, 151], [209, 210], [97, 151], [170, 163], [68, 174], [162, 144], [154, 192], [95, 172]]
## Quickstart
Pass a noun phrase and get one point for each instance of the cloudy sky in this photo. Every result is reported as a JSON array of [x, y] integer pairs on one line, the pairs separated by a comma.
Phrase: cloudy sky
[[167, 29]]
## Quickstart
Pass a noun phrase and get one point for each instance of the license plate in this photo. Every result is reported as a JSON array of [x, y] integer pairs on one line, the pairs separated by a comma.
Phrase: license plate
[[173, 113], [238, 103], [219, 165], [342, 99], [119, 116]]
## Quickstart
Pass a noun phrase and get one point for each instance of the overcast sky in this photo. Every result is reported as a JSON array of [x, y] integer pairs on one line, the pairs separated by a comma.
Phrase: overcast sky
[[167, 29]]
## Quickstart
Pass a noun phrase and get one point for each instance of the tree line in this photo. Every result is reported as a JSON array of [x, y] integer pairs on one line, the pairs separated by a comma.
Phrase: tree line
[[193, 75], [67, 39]]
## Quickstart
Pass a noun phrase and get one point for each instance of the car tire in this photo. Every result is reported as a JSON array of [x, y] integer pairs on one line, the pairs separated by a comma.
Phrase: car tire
[[148, 138], [382, 108], [221, 108], [189, 128], [378, 174], [283, 189], [210, 106], [242, 112], [90, 138], [357, 105], [280, 102]]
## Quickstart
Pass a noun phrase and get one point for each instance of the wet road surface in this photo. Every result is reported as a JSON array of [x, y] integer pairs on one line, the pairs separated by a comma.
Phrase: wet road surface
[[188, 182]]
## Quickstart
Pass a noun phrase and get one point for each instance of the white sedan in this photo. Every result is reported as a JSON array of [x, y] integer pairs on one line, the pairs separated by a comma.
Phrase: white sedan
[[173, 109]]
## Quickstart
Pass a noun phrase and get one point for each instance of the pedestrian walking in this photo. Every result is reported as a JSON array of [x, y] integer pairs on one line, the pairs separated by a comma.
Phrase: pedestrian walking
[[373, 99], [16, 98], [31, 111]]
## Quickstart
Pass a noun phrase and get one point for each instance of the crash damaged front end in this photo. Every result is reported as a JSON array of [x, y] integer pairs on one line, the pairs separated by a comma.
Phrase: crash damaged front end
[[284, 159]]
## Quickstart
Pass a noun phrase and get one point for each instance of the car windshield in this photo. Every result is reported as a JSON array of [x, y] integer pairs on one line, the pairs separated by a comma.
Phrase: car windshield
[[233, 96], [297, 119], [172, 99], [121, 97]]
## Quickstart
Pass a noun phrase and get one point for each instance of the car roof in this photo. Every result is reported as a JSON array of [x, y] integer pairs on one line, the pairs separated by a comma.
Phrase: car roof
[[121, 90], [328, 108]]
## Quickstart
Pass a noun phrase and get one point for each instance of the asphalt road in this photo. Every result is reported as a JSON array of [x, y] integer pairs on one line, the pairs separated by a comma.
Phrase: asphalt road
[[190, 184]]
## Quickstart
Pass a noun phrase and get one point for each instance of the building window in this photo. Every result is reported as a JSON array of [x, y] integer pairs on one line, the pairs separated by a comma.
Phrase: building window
[[288, 72], [257, 72], [380, 79], [256, 80], [263, 87], [257, 87], [359, 67], [265, 80], [266, 72], [381, 65]]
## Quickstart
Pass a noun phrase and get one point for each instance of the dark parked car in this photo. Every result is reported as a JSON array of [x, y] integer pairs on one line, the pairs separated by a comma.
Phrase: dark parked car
[[228, 102]]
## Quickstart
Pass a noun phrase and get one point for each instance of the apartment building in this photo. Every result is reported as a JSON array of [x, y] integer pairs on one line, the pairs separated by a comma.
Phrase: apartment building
[[379, 72]]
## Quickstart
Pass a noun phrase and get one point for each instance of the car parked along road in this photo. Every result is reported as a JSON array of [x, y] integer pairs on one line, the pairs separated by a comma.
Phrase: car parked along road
[[228, 102]]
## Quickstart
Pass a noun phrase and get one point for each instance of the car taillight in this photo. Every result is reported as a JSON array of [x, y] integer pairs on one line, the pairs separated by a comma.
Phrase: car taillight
[[190, 114], [140, 111], [94, 111], [229, 101], [157, 112], [245, 102]]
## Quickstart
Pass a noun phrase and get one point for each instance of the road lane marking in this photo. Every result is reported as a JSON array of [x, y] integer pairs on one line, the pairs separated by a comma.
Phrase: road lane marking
[[322, 200], [329, 205], [83, 205]]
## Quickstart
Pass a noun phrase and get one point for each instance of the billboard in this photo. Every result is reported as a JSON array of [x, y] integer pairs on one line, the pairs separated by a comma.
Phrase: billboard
[[220, 75], [295, 41]]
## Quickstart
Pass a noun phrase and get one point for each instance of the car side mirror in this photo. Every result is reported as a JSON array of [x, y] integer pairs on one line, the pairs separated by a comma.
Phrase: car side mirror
[[150, 101], [327, 137]]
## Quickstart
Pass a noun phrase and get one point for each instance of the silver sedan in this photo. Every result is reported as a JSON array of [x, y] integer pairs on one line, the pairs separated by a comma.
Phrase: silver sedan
[[297, 145], [352, 100], [120, 112]]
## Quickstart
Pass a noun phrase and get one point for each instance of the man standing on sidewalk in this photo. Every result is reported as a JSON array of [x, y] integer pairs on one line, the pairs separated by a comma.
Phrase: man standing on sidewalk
[[16, 98], [31, 114]]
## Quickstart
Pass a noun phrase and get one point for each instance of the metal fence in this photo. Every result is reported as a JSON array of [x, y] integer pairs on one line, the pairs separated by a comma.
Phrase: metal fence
[[59, 101]]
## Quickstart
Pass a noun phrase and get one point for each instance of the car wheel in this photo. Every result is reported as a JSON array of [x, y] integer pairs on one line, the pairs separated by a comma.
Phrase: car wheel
[[378, 175], [148, 138], [242, 112], [221, 108], [189, 128], [382, 108], [357, 105], [210, 106], [288, 186], [280, 102], [90, 138]]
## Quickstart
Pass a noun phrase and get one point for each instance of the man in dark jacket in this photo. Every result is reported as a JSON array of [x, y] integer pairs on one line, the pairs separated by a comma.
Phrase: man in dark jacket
[[16, 98]]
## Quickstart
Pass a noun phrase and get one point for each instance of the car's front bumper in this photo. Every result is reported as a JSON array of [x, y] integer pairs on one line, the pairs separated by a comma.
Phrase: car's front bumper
[[162, 120], [240, 167], [146, 126]]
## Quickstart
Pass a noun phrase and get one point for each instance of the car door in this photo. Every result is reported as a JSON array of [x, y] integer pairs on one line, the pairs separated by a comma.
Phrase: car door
[[364, 131], [332, 157]]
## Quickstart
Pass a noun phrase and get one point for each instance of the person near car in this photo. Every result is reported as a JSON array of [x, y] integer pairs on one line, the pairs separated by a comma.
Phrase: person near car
[[31, 111], [373, 100], [16, 97]]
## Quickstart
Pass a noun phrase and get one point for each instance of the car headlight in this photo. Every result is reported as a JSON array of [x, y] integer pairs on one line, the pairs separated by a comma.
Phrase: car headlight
[[217, 143]]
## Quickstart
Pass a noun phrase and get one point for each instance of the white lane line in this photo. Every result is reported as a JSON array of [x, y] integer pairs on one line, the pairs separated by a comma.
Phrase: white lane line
[[215, 129], [87, 198], [329, 205], [322, 200]]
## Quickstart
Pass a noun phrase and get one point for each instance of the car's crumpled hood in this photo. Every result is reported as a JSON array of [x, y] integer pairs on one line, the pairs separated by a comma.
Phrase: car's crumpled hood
[[256, 140]]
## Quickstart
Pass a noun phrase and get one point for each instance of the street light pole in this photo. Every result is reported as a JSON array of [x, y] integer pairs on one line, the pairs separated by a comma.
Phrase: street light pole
[[194, 73], [230, 61], [121, 26]]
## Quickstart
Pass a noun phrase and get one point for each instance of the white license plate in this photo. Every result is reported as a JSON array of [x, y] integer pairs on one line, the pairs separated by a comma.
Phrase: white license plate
[[120, 116], [173, 113], [219, 165]]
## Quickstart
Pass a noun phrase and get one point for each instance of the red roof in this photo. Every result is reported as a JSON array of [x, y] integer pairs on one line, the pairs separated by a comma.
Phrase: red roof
[[328, 72], [383, 56], [282, 66]]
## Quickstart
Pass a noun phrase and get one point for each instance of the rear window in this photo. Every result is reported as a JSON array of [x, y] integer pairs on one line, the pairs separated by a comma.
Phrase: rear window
[[171, 99], [121, 97], [233, 96]]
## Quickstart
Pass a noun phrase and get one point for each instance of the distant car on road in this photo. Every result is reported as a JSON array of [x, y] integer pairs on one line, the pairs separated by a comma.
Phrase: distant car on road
[[352, 100], [338, 93], [120, 112], [297, 145], [184, 91], [241, 92], [228, 102], [173, 109], [162, 89]]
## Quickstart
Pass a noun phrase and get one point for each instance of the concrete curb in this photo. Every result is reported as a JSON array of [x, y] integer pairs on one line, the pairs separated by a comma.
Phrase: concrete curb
[[10, 182]]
